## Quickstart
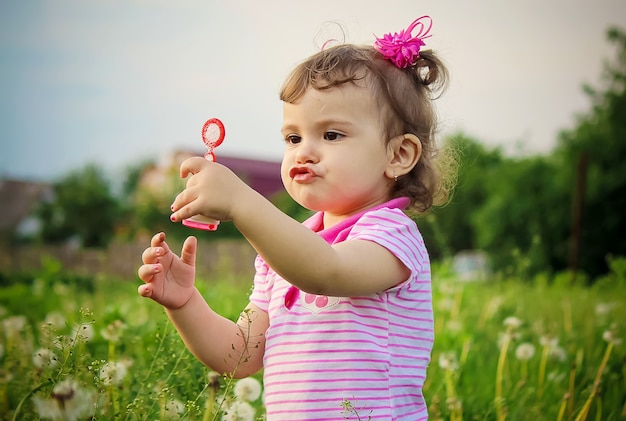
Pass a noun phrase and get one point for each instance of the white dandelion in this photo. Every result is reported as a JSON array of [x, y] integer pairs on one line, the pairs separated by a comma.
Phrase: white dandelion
[[247, 389], [448, 361], [14, 325], [512, 322], [113, 373], [239, 411], [611, 337], [55, 319], [68, 402], [113, 331], [174, 409], [45, 358], [525, 351]]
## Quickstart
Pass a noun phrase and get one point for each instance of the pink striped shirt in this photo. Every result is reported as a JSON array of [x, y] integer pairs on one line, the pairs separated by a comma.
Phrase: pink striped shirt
[[370, 351]]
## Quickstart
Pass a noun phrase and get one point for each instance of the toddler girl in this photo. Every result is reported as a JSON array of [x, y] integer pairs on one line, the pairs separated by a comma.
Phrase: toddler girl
[[340, 317]]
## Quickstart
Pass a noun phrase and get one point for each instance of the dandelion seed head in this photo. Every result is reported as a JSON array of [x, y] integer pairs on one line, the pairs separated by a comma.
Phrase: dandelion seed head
[[247, 389], [548, 341], [507, 336], [448, 361], [44, 358], [239, 411], [214, 378], [113, 331], [454, 404], [512, 322], [604, 309], [445, 304], [454, 326], [86, 331], [113, 373], [14, 325], [68, 402], [525, 351], [611, 337], [55, 319], [174, 409], [557, 353]]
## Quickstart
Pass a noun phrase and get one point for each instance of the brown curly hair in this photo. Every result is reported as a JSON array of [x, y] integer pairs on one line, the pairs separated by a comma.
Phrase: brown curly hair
[[405, 97]]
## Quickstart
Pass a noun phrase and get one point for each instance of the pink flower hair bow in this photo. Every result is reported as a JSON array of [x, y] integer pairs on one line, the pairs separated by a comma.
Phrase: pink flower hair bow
[[404, 48]]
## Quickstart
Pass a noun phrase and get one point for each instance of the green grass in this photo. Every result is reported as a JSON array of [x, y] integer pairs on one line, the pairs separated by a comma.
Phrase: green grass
[[577, 370]]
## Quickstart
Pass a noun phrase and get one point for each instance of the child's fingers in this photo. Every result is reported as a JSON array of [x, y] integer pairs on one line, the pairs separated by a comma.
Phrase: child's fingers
[[157, 239], [145, 290], [148, 271], [188, 253], [192, 166], [152, 254]]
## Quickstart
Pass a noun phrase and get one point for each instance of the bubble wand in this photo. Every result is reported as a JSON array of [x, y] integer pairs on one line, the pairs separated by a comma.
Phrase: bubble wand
[[213, 134]]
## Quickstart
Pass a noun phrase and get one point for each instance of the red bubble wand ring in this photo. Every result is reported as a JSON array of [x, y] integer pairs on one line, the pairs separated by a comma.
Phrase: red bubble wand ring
[[213, 134]]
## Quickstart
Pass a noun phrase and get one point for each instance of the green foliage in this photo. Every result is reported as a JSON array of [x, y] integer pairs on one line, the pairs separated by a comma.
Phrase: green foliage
[[520, 210], [598, 138], [83, 208], [572, 336], [116, 352]]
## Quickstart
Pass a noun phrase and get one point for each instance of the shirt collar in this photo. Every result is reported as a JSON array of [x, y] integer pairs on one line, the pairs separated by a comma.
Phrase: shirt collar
[[339, 231]]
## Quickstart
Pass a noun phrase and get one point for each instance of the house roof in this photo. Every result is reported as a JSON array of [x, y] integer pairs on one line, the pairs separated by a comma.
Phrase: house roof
[[262, 176], [17, 200]]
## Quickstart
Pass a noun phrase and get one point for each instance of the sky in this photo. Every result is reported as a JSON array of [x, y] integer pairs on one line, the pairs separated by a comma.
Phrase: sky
[[119, 82]]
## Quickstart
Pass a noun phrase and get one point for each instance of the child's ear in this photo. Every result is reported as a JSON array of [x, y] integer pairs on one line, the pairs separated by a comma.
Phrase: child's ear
[[404, 152]]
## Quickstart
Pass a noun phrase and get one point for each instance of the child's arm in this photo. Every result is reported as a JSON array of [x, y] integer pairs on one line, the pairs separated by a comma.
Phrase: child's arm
[[219, 343], [292, 250]]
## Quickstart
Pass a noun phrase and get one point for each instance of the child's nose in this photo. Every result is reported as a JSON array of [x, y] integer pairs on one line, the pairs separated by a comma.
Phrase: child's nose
[[306, 152]]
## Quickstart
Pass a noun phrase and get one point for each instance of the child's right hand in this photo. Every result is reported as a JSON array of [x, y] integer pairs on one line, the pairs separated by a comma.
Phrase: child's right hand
[[169, 280]]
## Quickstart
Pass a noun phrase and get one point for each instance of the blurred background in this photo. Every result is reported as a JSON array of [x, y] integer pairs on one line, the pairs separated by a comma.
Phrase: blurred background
[[101, 100]]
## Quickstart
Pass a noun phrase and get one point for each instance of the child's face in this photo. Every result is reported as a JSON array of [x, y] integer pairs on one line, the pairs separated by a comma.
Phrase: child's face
[[335, 155]]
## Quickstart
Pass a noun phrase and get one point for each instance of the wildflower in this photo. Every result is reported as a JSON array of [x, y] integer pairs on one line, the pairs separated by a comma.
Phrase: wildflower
[[610, 336], [558, 353], [174, 409], [86, 332], [68, 402], [454, 404], [113, 331], [525, 351], [44, 358], [512, 322], [454, 326], [55, 319], [113, 373], [214, 379], [445, 304], [239, 411], [448, 361], [248, 389], [507, 337], [548, 341], [603, 309], [14, 325]]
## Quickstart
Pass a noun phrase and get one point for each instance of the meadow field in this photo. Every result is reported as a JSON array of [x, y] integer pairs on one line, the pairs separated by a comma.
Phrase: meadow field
[[74, 347]]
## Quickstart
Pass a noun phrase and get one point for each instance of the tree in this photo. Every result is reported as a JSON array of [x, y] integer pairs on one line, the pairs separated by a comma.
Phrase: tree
[[599, 139], [83, 208]]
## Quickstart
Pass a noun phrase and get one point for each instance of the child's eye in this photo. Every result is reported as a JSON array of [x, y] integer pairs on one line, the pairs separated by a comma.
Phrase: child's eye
[[332, 136], [293, 139]]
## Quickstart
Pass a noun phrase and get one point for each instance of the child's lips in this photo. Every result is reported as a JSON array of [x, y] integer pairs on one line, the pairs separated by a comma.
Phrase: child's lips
[[302, 174]]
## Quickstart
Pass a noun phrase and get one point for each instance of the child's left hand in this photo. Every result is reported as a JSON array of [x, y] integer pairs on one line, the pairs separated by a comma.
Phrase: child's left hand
[[212, 190]]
